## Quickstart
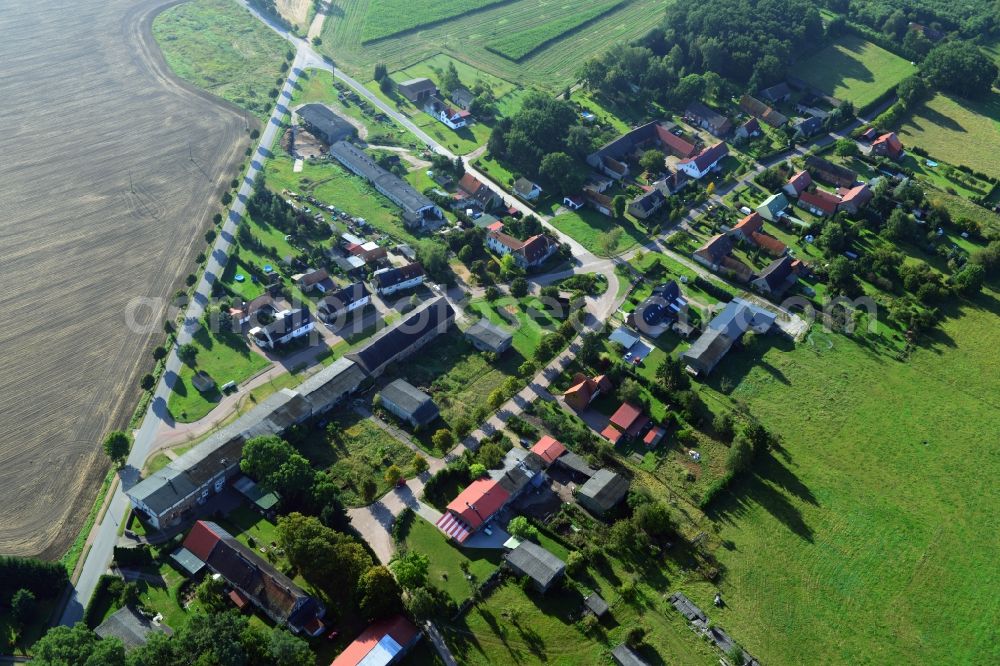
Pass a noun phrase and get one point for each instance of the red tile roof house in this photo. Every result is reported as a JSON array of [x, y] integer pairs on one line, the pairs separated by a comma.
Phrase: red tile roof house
[[769, 244], [472, 509], [855, 198], [271, 591], [698, 166], [472, 190], [628, 420], [798, 184], [889, 145], [383, 642], [527, 254], [746, 227], [819, 202], [548, 449], [654, 436], [714, 255], [584, 390]]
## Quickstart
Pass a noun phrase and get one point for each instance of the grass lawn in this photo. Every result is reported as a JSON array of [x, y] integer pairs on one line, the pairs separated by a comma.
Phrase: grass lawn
[[957, 131], [446, 560], [586, 226], [225, 358], [859, 533], [465, 37], [532, 319], [359, 450], [219, 46], [854, 69], [388, 17], [458, 376], [549, 26]]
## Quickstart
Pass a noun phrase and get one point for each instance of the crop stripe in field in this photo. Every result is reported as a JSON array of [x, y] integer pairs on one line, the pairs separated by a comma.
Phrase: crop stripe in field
[[424, 25], [518, 46]]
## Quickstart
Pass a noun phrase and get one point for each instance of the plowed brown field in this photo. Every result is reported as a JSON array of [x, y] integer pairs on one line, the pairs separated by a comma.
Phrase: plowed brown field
[[87, 99]]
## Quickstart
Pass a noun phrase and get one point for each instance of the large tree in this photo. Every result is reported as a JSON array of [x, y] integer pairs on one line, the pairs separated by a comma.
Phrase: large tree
[[331, 561], [961, 68]]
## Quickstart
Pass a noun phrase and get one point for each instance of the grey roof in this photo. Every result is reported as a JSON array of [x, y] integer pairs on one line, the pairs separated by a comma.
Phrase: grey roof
[[596, 604], [524, 186], [283, 325], [397, 341], [777, 272], [187, 560], [321, 119], [398, 190], [605, 489], [687, 608], [410, 400], [489, 334], [331, 384], [809, 126], [575, 463], [255, 494], [776, 92], [343, 298], [520, 466], [706, 352], [648, 202], [624, 656], [535, 562], [392, 276], [132, 628], [740, 315]]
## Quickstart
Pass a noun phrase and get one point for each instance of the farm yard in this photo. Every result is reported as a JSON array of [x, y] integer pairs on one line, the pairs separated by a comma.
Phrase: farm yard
[[518, 45], [875, 476], [219, 46], [957, 131], [465, 37], [71, 363], [854, 69]]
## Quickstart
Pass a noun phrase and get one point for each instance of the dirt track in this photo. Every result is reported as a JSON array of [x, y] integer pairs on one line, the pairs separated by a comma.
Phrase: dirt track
[[88, 99]]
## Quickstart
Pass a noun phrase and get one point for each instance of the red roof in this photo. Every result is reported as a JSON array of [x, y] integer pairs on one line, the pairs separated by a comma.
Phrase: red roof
[[890, 143], [654, 436], [822, 200], [677, 145], [708, 156], [611, 434], [485, 495], [626, 415], [749, 224], [548, 448], [496, 226], [769, 243], [469, 184], [238, 599], [860, 195], [800, 181], [201, 540], [398, 627]]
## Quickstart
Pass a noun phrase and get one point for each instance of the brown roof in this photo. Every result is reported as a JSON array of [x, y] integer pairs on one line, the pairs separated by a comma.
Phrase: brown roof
[[536, 247], [716, 248], [820, 199], [677, 145], [800, 181], [749, 224], [755, 107], [708, 156], [314, 277], [859, 195], [889, 142], [769, 243], [507, 240]]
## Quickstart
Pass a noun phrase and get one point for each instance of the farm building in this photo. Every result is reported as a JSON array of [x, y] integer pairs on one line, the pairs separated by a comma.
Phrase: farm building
[[342, 302], [409, 403], [417, 91], [418, 210], [596, 605], [173, 494], [819, 202], [405, 337], [463, 97], [761, 111], [855, 198], [722, 333], [388, 281], [708, 119], [777, 93], [542, 567], [384, 642], [830, 172], [130, 627], [255, 579], [624, 656], [609, 160], [262, 501], [603, 491], [487, 336], [324, 124]]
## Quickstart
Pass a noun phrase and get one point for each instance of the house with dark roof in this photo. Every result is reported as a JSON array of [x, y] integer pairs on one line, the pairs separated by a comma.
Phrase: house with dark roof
[[542, 567], [830, 173], [797, 184], [527, 254], [324, 124], [131, 627], [749, 129], [714, 251], [603, 491], [272, 592], [699, 165], [472, 508], [585, 389], [596, 605], [819, 202], [722, 333], [418, 210], [417, 91], [288, 325], [776, 278], [318, 280], [487, 336], [708, 119], [625, 656], [463, 97], [600, 202], [777, 93], [409, 403], [647, 203], [805, 128], [388, 281], [383, 643], [336, 306], [888, 145], [526, 189], [610, 159], [762, 111], [854, 199], [405, 337], [262, 306]]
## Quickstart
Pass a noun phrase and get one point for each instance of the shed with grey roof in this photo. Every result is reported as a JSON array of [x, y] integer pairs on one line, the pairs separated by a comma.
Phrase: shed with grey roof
[[487, 336], [133, 629], [323, 123], [603, 491], [595, 604], [409, 403], [624, 656], [531, 560]]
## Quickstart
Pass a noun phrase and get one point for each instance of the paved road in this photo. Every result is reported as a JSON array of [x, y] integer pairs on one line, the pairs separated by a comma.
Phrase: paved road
[[105, 534]]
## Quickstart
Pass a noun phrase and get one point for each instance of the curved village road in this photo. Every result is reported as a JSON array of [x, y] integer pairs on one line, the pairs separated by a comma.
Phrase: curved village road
[[104, 536]]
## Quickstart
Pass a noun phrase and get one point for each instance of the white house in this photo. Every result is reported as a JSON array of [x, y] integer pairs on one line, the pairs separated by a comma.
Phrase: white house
[[527, 254], [390, 280], [447, 114], [339, 304], [287, 326], [699, 165]]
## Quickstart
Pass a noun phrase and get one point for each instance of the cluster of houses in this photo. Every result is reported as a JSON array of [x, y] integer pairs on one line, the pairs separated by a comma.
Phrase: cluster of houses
[[454, 113]]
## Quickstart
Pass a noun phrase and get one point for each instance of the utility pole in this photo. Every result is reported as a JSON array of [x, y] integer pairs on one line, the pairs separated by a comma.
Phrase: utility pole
[[131, 187]]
